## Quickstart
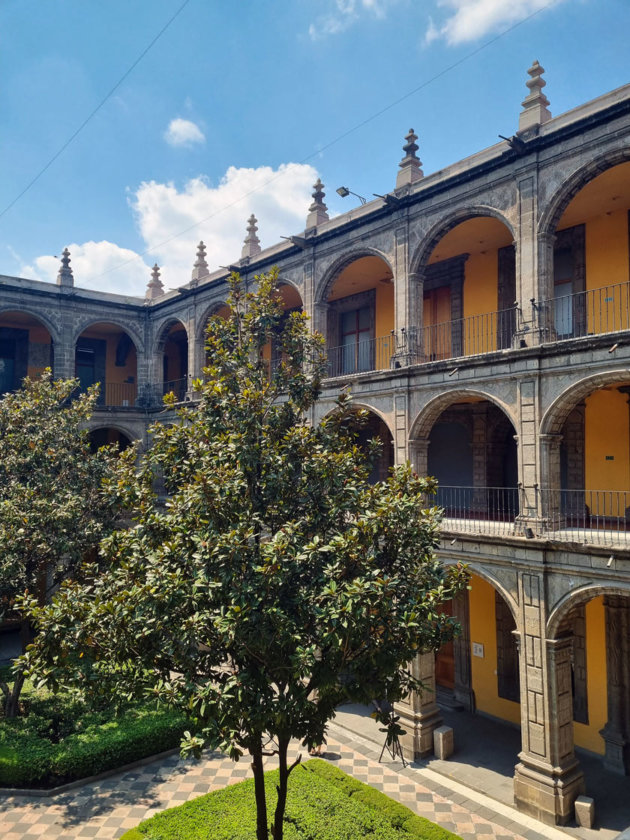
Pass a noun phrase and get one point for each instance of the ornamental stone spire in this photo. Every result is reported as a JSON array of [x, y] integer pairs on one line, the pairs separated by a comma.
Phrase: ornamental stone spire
[[317, 212], [410, 171], [252, 242], [535, 110], [200, 268], [155, 288], [65, 276]]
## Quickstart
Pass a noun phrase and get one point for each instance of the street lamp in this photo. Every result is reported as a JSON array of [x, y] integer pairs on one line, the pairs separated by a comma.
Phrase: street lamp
[[344, 192]]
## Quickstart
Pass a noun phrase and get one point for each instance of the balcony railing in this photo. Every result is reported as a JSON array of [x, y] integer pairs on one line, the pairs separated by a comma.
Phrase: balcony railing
[[362, 356], [179, 387], [593, 312], [469, 336], [587, 516], [117, 395], [478, 510]]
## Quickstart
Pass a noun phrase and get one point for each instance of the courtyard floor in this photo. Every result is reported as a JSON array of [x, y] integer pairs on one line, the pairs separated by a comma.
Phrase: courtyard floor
[[106, 809]]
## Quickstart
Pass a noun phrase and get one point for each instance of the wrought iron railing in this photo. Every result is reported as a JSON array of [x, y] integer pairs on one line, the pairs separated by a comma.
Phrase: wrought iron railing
[[362, 356], [469, 336], [178, 387], [593, 312], [587, 516], [478, 510]]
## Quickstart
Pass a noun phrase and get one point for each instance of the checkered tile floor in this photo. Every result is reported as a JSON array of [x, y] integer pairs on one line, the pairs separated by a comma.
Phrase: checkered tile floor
[[106, 809]]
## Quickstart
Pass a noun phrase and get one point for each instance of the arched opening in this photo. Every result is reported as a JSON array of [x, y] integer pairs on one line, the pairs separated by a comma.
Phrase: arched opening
[[291, 301], [174, 352], [360, 320], [589, 291], [470, 290], [106, 436], [106, 355], [26, 349], [596, 624], [588, 495], [376, 428], [472, 453]]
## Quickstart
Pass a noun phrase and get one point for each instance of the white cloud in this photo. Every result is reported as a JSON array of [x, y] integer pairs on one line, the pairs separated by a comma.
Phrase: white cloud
[[279, 198], [183, 133], [92, 264], [472, 19], [344, 13]]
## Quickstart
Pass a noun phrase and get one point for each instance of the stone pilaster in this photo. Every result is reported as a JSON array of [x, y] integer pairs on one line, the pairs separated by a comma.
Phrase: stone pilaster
[[462, 690], [616, 732], [543, 312], [419, 713], [526, 247], [550, 503], [419, 455], [547, 779]]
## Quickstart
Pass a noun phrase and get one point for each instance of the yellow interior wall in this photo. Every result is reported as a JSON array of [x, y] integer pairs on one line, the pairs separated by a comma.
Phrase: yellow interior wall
[[607, 432], [607, 250], [484, 671], [384, 309], [607, 265], [481, 298], [587, 735]]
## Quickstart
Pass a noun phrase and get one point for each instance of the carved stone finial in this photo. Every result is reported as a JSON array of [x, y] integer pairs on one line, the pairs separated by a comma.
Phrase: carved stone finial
[[252, 242], [65, 276], [535, 105], [155, 288], [200, 268], [410, 170], [317, 212]]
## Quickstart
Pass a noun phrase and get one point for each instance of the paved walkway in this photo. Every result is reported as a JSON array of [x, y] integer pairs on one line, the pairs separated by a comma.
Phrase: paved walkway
[[106, 809]]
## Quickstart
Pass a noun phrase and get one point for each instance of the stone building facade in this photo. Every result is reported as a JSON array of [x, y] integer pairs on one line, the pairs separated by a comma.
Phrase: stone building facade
[[482, 315]]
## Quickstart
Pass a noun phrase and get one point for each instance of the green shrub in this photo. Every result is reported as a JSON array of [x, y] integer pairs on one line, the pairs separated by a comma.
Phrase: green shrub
[[30, 759], [323, 804]]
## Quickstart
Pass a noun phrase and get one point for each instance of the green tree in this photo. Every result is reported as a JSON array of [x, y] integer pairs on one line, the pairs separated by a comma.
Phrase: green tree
[[275, 582], [52, 506]]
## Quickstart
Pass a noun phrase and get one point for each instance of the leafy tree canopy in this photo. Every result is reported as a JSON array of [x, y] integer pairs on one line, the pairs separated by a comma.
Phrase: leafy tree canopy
[[53, 509], [274, 582]]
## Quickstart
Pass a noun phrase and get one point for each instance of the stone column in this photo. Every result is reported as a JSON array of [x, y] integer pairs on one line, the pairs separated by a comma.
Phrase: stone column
[[480, 496], [547, 778], [64, 352], [419, 455], [415, 318], [616, 732], [463, 691], [544, 316], [549, 506], [419, 713]]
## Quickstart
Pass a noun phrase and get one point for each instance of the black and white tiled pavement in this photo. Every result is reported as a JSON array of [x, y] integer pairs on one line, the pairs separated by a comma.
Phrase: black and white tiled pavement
[[108, 808]]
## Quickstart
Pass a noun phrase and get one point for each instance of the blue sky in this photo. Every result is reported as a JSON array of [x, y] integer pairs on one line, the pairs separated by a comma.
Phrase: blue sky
[[234, 108]]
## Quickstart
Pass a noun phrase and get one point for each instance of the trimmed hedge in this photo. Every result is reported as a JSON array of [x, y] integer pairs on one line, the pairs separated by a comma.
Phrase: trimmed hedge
[[323, 804], [28, 759]]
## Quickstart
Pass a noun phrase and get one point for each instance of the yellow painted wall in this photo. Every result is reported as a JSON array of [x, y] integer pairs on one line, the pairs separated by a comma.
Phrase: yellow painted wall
[[437, 323], [384, 324], [607, 432], [484, 671], [588, 736], [607, 250], [481, 299]]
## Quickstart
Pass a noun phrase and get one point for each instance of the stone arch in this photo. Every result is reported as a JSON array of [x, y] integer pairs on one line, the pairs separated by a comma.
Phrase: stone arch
[[579, 596], [126, 328], [163, 330], [365, 407], [555, 416], [572, 185], [38, 316], [324, 285], [207, 313], [426, 418], [440, 228], [495, 583], [116, 426]]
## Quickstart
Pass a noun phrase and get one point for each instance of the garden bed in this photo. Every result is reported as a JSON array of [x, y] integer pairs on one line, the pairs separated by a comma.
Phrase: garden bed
[[60, 739], [323, 804]]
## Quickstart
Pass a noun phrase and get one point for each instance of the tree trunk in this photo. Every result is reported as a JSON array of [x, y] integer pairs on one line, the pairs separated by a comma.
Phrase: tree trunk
[[262, 831], [12, 699], [278, 820]]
